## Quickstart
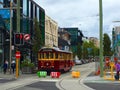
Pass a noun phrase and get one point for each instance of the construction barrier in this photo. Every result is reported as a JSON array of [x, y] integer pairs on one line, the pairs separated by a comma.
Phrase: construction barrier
[[42, 73], [109, 72], [55, 74], [75, 74], [97, 66]]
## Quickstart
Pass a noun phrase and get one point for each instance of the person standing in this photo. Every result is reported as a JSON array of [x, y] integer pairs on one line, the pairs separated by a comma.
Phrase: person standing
[[117, 66], [13, 66], [5, 66]]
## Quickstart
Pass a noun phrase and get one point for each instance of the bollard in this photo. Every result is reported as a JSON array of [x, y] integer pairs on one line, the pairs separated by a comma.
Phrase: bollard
[[55, 74], [42, 73], [75, 74]]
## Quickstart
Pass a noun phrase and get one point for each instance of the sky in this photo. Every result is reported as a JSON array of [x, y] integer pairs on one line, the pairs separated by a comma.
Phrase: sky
[[83, 14]]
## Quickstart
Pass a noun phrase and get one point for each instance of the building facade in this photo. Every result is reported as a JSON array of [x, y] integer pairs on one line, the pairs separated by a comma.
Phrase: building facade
[[76, 37], [94, 40], [29, 12], [116, 40], [51, 32], [64, 39]]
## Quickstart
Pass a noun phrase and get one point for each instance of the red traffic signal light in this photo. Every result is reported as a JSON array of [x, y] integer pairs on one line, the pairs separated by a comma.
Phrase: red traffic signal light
[[18, 39]]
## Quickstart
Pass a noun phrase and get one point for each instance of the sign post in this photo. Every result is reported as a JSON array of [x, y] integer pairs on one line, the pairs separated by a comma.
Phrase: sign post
[[17, 63]]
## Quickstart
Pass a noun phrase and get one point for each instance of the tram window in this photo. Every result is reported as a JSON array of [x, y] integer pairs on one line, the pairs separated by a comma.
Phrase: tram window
[[60, 55], [42, 55], [56, 55], [69, 56], [51, 55], [47, 55], [65, 56], [39, 56]]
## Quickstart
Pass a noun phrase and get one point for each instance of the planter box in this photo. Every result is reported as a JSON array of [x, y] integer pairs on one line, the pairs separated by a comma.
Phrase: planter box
[[27, 70]]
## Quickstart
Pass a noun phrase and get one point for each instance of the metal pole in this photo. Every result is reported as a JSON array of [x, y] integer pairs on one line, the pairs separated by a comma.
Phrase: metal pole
[[10, 52], [18, 16], [17, 70], [18, 27], [101, 37]]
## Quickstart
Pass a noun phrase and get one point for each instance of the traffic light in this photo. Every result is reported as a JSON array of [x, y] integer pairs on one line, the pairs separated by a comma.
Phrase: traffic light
[[19, 39]]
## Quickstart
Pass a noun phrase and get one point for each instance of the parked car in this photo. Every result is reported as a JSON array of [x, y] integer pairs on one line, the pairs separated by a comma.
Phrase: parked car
[[83, 61], [78, 62]]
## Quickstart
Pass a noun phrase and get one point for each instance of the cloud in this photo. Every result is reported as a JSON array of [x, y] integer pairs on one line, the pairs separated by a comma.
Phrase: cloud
[[82, 13]]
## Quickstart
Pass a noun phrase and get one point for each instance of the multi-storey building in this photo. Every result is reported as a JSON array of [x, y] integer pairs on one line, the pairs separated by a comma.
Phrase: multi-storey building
[[94, 40], [116, 40], [64, 40], [29, 11], [76, 37], [51, 32]]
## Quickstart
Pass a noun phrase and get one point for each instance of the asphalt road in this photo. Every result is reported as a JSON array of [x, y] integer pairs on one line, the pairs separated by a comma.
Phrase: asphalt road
[[6, 80], [104, 86], [42, 85], [66, 81]]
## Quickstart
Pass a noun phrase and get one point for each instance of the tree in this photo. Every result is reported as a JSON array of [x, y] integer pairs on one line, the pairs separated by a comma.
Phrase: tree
[[89, 49], [84, 50], [38, 41], [106, 45], [79, 51]]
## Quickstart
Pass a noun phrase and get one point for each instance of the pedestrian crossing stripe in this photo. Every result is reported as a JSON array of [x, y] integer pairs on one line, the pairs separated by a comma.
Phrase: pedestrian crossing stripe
[[50, 80]]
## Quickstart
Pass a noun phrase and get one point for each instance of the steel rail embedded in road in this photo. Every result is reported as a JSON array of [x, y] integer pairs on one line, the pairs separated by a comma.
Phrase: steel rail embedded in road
[[69, 83]]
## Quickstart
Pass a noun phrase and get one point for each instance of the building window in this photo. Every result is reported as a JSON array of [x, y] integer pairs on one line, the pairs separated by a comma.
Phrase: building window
[[25, 7], [33, 10], [1, 5], [38, 14], [29, 9]]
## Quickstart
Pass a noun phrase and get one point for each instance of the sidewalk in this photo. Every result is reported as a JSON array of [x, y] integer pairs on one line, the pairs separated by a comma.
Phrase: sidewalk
[[13, 76], [9, 81], [97, 79], [25, 79]]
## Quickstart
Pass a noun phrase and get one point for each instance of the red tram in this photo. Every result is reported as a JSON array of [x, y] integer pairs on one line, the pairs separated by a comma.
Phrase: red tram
[[54, 59]]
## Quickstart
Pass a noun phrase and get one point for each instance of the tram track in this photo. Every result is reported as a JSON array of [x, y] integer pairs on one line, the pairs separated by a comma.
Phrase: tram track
[[74, 82]]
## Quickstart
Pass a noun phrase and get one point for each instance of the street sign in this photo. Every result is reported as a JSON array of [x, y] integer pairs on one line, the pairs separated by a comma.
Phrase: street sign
[[18, 55], [26, 37]]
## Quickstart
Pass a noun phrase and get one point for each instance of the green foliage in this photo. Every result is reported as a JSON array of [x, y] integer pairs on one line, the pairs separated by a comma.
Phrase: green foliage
[[79, 51], [27, 63], [38, 41], [107, 45], [89, 49]]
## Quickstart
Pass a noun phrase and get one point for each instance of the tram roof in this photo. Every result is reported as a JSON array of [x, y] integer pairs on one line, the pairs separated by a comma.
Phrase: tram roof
[[55, 48]]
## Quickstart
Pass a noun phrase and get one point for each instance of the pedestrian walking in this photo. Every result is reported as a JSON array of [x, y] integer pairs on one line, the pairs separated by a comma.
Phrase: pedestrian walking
[[117, 67], [5, 66], [13, 66]]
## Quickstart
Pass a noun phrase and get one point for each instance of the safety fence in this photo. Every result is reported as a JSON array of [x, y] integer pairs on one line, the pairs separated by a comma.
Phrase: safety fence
[[109, 68]]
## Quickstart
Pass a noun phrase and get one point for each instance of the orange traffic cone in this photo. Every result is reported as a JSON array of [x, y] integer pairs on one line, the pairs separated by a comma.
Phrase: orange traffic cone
[[97, 72]]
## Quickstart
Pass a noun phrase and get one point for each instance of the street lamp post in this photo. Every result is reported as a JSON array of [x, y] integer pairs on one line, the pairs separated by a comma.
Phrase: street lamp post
[[10, 51], [101, 37]]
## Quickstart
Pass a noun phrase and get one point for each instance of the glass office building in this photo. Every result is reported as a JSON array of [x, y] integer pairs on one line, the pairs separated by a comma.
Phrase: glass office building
[[29, 10]]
